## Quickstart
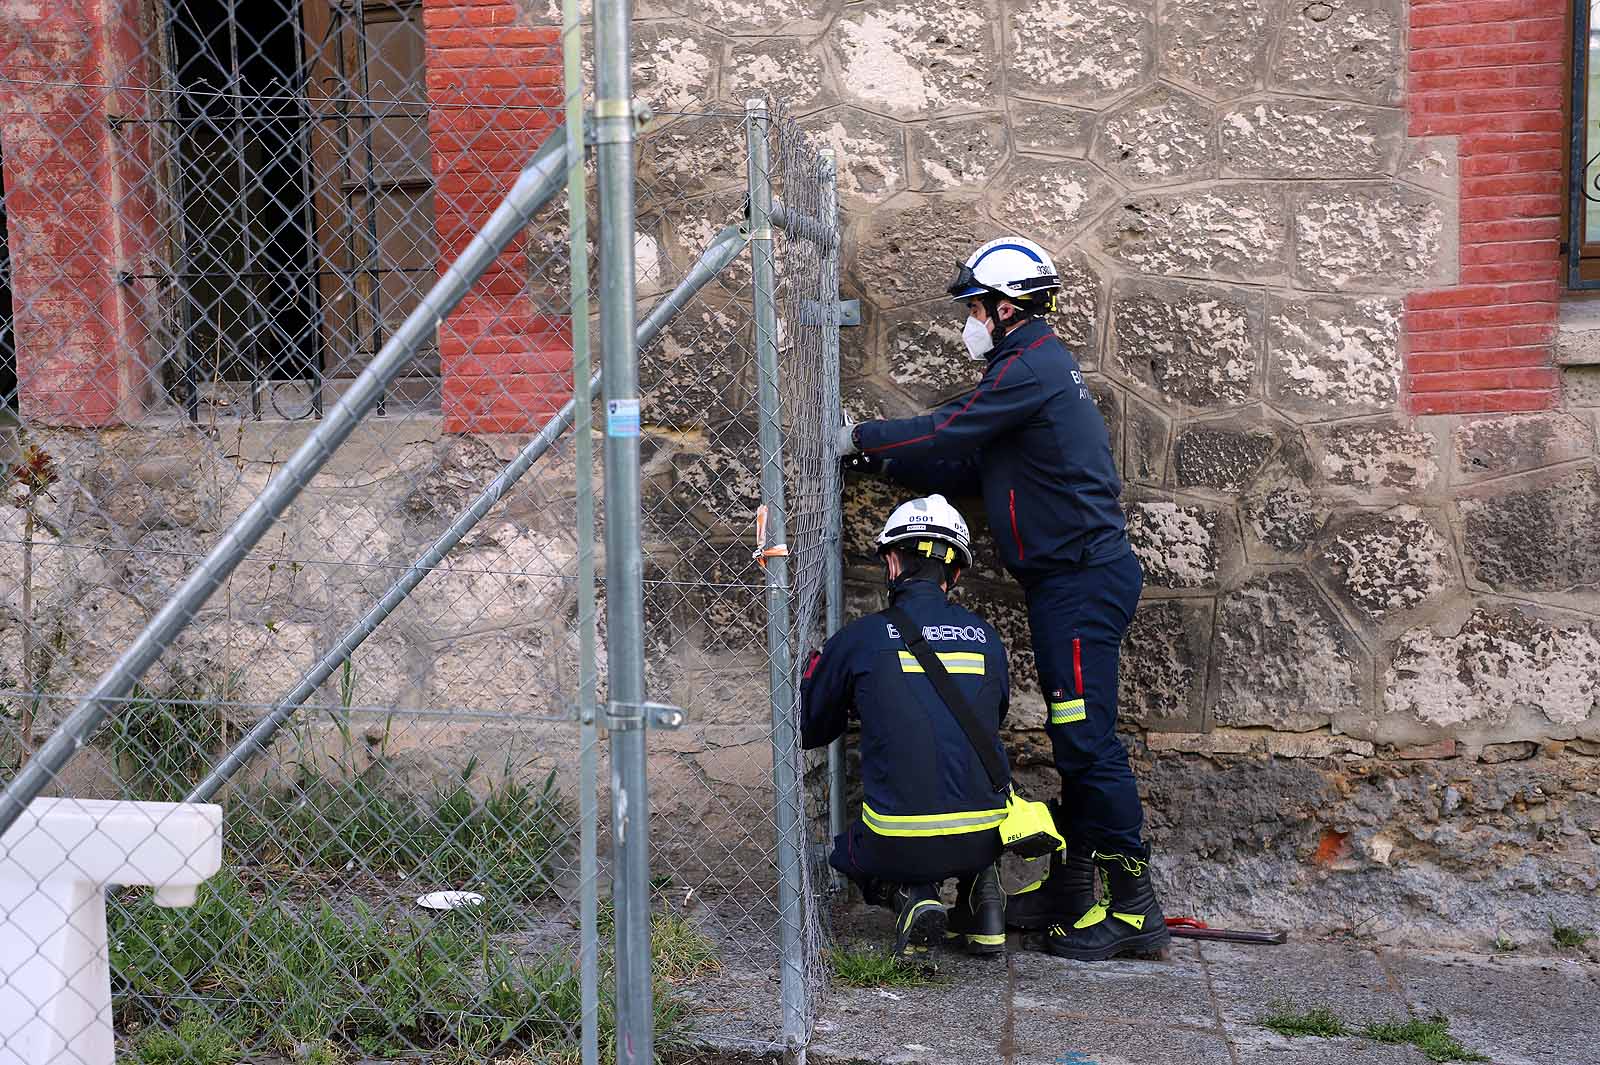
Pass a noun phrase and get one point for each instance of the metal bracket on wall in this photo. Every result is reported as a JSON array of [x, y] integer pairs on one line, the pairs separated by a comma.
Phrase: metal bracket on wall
[[619, 717], [814, 312]]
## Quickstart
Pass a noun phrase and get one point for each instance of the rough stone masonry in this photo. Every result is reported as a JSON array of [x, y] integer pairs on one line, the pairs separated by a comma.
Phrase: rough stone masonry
[[1362, 686]]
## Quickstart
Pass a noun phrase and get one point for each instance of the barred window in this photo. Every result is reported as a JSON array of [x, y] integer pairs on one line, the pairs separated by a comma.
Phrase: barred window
[[1583, 191]]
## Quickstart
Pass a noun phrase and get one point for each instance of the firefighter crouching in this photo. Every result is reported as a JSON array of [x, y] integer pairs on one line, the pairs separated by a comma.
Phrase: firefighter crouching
[[931, 808]]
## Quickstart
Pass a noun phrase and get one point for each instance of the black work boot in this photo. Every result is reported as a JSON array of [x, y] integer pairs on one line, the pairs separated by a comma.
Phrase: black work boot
[[1130, 922], [919, 918], [1066, 893], [978, 919]]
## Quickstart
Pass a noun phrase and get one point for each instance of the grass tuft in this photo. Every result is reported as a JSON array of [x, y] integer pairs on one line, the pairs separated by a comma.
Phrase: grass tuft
[[682, 952], [507, 844], [196, 1040], [1568, 936], [1319, 1022], [864, 967], [321, 986], [1432, 1037], [163, 744]]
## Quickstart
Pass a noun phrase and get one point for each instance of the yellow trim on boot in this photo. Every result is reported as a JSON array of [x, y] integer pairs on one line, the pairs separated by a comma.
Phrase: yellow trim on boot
[[911, 914], [1136, 866], [975, 939], [1096, 914], [1135, 919], [1035, 886]]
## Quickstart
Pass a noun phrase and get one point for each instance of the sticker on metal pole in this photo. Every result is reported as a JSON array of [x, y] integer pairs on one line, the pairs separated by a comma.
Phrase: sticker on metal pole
[[622, 417]]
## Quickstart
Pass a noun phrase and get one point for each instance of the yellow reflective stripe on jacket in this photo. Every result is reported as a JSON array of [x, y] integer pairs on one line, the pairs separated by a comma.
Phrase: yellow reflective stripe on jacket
[[1068, 712], [969, 662], [931, 824]]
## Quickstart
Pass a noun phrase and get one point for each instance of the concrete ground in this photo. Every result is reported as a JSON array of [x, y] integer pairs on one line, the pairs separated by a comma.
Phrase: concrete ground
[[1204, 1004]]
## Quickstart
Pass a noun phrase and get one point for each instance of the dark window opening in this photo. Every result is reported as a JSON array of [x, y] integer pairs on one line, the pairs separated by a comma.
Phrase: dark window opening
[[300, 200], [245, 265]]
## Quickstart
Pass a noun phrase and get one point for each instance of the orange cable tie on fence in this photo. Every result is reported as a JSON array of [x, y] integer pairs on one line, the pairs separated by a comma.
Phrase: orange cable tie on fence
[[762, 551]]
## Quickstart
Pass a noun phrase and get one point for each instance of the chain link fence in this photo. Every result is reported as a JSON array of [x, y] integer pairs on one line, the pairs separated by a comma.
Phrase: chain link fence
[[224, 224]]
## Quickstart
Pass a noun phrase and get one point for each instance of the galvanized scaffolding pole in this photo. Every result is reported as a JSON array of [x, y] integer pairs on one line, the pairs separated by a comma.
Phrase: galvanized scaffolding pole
[[833, 535], [539, 181], [627, 715], [583, 465], [785, 780]]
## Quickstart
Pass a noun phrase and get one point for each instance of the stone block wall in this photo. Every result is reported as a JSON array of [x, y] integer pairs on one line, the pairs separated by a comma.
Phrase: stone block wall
[[1361, 688], [1310, 266]]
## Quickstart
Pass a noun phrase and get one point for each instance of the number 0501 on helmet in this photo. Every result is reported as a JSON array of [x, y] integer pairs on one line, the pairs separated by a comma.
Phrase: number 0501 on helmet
[[930, 520]]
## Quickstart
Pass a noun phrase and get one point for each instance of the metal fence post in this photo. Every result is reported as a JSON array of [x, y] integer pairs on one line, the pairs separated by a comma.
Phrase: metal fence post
[[833, 535], [785, 781], [630, 797], [538, 182], [583, 465]]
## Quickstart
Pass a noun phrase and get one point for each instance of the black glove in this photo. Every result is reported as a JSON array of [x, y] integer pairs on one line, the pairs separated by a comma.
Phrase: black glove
[[861, 462]]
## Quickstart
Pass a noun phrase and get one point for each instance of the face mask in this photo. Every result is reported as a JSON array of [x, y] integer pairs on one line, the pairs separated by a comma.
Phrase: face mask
[[976, 336]]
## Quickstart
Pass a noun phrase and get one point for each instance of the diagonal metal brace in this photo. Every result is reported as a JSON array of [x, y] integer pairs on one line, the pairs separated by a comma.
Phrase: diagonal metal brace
[[620, 717]]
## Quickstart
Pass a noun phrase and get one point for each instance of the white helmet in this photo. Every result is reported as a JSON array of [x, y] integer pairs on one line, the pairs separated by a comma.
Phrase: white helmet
[[1013, 267], [932, 521]]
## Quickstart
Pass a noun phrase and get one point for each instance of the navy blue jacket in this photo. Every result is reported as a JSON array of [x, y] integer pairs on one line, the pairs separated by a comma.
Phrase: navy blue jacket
[[915, 759], [1031, 439]]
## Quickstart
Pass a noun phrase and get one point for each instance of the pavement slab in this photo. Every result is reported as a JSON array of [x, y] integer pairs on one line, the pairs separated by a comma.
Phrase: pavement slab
[[1201, 1004], [1252, 981], [1270, 1048], [1516, 1010], [1173, 989]]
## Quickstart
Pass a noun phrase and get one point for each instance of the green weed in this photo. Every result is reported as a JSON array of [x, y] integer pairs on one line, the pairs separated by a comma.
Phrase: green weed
[[682, 952], [1432, 1037], [309, 983], [1568, 936], [862, 967], [196, 1040], [1319, 1022], [164, 744], [506, 843]]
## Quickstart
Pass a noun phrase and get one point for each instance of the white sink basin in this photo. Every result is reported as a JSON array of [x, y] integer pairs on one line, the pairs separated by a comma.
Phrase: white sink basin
[[55, 865]]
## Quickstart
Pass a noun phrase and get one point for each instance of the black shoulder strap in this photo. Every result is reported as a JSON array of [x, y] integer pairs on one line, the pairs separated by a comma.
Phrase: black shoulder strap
[[947, 690]]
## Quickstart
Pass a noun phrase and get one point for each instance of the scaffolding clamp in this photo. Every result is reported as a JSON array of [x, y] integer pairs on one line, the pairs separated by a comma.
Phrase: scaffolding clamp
[[623, 717], [603, 127]]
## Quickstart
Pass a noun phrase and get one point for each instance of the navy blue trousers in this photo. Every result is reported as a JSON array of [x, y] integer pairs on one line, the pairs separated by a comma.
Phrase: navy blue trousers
[[1077, 620]]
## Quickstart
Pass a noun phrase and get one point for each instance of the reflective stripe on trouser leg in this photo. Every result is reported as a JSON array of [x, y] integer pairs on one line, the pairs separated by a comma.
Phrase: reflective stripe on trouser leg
[[1066, 712]]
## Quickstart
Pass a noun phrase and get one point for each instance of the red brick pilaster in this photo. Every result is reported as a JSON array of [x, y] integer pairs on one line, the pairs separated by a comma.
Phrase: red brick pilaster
[[494, 89], [1492, 74], [79, 206]]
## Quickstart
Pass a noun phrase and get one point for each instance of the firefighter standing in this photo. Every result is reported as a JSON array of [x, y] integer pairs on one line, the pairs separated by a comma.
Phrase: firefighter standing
[[930, 811], [1031, 441]]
